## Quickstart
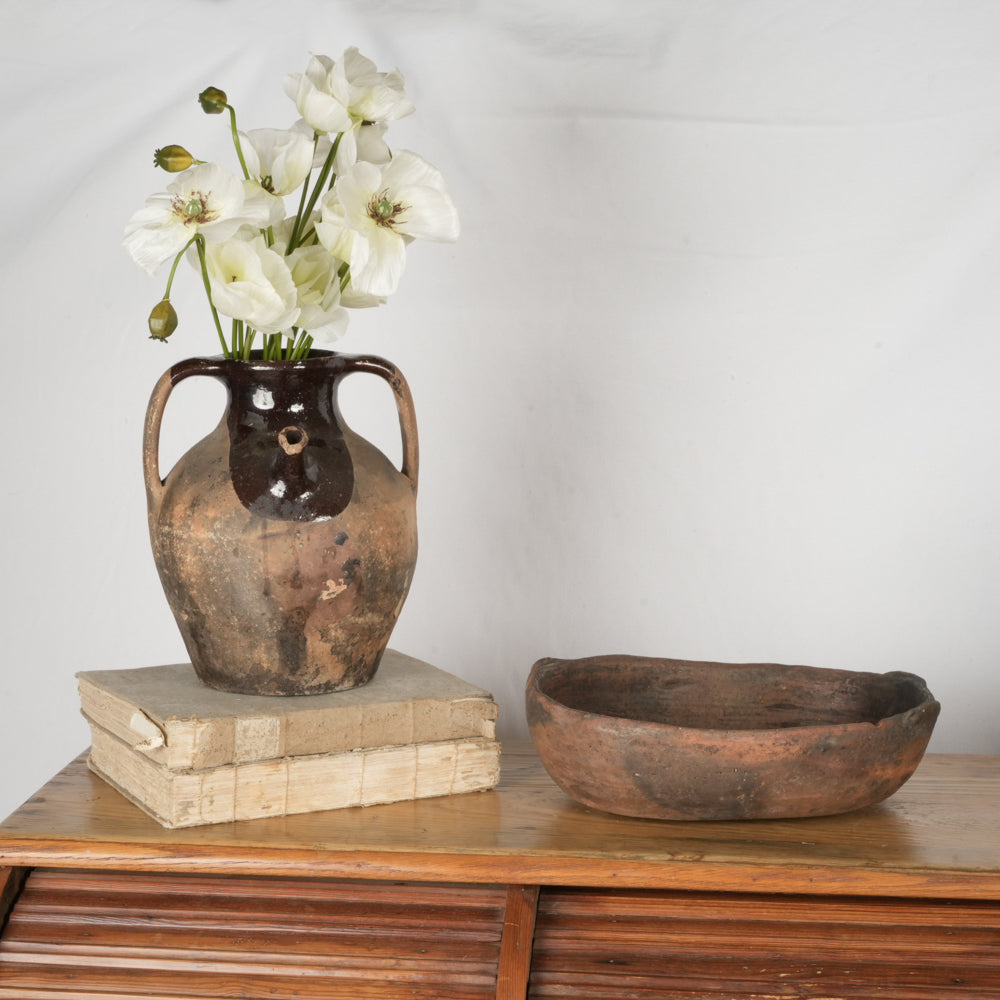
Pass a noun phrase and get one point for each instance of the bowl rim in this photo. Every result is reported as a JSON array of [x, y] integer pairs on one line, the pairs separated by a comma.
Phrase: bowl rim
[[548, 665]]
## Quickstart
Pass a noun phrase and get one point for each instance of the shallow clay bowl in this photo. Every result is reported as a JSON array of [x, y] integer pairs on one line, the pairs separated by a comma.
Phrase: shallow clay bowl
[[682, 740]]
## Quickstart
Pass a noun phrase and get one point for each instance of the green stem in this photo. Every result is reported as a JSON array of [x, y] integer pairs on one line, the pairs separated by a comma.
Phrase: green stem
[[239, 338], [302, 203], [298, 346], [177, 260], [304, 214], [199, 242], [236, 140], [304, 346]]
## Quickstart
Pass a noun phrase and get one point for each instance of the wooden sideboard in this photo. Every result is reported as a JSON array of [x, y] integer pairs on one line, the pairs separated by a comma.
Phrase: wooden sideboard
[[516, 892]]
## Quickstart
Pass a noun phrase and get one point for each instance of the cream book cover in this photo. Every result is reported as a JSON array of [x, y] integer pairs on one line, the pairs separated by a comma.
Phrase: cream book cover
[[168, 716]]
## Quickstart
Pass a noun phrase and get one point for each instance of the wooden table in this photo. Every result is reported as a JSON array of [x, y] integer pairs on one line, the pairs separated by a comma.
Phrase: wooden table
[[510, 893]]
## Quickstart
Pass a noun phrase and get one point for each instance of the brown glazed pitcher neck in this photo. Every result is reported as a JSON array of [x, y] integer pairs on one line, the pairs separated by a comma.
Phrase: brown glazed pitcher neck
[[288, 459], [260, 390]]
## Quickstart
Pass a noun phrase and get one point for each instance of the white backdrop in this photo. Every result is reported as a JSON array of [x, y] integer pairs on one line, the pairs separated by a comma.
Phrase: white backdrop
[[711, 372]]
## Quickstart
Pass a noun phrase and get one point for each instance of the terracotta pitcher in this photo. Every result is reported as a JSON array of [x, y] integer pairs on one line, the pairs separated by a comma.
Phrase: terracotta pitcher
[[284, 541]]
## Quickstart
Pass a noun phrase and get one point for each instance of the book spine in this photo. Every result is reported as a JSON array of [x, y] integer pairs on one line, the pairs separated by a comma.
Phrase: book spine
[[294, 784]]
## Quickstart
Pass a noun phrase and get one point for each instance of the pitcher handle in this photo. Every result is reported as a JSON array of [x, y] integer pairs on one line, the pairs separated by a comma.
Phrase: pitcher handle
[[404, 407], [154, 420]]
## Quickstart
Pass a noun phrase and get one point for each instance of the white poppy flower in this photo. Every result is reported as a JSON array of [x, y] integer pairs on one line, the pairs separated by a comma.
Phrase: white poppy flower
[[267, 209], [282, 233], [333, 229], [252, 283], [353, 299], [280, 159], [317, 284], [374, 211], [363, 143], [334, 96], [205, 199], [371, 144], [375, 96]]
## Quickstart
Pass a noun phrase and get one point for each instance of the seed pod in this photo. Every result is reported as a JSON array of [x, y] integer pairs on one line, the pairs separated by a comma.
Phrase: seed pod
[[213, 101], [162, 320], [173, 159]]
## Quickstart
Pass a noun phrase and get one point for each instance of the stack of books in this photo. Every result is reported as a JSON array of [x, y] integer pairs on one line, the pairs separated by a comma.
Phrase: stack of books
[[190, 755]]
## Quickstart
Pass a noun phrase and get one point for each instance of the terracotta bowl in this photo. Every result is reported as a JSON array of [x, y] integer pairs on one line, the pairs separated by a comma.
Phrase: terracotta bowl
[[682, 740]]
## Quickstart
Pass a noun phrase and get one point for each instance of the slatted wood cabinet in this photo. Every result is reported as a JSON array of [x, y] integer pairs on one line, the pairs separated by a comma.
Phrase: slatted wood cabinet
[[517, 892]]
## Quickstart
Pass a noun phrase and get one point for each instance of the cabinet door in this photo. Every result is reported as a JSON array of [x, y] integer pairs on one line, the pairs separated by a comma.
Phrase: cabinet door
[[121, 934], [706, 946]]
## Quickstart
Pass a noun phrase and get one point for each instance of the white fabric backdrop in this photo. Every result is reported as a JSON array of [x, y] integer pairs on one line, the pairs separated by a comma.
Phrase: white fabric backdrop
[[711, 372]]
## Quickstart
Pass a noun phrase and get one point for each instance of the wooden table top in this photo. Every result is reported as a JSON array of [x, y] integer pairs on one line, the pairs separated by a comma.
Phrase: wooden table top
[[939, 836]]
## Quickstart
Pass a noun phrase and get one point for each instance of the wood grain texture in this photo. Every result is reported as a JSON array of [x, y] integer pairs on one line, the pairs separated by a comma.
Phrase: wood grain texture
[[900, 901], [936, 837], [108, 934], [518, 936], [11, 880], [596, 944]]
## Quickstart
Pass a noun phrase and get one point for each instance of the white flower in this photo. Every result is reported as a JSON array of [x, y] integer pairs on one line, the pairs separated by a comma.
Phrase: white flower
[[266, 209], [353, 299], [204, 199], [334, 96], [317, 285], [363, 142], [282, 232], [252, 283], [374, 211], [280, 159], [374, 96], [370, 144]]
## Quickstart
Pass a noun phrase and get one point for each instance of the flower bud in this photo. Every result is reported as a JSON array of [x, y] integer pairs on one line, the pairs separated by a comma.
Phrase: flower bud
[[162, 320], [213, 101], [173, 159]]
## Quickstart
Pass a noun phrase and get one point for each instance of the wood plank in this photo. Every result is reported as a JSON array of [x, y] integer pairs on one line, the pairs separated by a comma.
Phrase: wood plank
[[11, 880], [239, 981], [117, 934], [636, 944], [935, 837], [516, 945]]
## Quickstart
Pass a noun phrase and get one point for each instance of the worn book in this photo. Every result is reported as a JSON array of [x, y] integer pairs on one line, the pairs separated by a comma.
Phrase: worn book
[[291, 785], [169, 717]]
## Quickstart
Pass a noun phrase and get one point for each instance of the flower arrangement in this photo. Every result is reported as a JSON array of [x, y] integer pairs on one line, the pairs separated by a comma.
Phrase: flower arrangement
[[292, 277]]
